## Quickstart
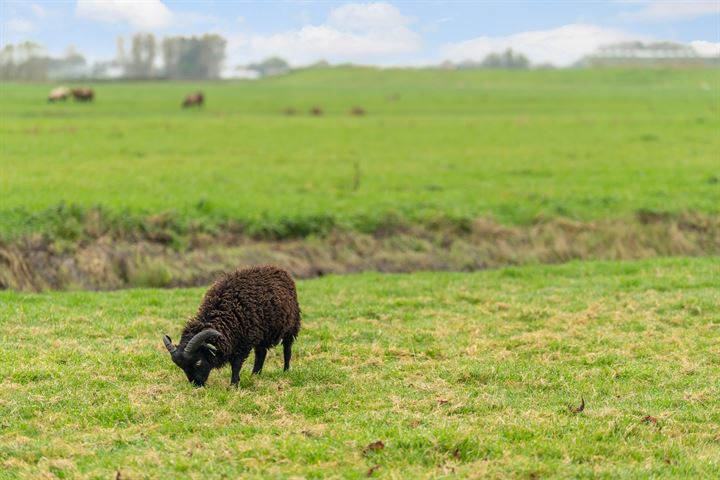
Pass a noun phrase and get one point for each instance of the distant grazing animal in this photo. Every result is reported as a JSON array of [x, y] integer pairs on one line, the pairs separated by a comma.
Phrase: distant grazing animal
[[358, 111], [290, 111], [254, 308], [83, 94], [194, 99], [316, 111], [58, 94]]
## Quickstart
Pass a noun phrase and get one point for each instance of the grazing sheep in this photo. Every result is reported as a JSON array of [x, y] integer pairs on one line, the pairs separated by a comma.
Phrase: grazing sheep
[[196, 99], [83, 94], [58, 94], [253, 308]]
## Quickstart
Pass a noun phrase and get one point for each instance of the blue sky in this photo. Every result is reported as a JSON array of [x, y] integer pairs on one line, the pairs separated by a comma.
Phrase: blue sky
[[384, 33]]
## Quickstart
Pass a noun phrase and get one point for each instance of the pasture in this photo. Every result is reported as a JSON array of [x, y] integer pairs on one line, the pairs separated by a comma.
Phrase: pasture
[[456, 374], [458, 145]]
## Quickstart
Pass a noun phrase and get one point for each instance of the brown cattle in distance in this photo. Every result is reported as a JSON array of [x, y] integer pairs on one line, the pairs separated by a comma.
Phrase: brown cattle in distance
[[358, 111], [83, 94], [194, 99], [316, 111]]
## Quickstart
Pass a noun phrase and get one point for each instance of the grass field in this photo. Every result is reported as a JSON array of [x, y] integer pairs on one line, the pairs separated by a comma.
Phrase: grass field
[[464, 374], [515, 146], [456, 374]]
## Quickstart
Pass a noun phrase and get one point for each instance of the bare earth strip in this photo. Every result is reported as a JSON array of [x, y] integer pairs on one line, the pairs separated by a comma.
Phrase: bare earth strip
[[105, 261]]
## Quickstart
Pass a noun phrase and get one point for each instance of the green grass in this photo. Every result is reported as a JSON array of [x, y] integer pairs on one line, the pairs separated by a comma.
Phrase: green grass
[[464, 374], [458, 374], [512, 145]]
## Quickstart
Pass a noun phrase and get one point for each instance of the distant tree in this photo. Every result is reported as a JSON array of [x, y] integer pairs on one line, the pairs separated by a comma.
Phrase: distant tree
[[508, 59], [505, 60], [270, 66], [73, 64], [7, 62], [120, 57], [212, 54], [142, 59], [25, 61], [194, 57], [320, 64]]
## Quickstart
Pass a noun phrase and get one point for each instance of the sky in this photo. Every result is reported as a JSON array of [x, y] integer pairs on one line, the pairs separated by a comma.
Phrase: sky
[[380, 33]]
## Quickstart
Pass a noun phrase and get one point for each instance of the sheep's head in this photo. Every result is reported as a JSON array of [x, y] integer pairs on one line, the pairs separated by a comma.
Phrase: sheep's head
[[195, 358]]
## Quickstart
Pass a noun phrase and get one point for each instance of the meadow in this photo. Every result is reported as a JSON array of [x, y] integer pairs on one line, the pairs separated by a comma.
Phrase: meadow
[[512, 146], [457, 375], [429, 374]]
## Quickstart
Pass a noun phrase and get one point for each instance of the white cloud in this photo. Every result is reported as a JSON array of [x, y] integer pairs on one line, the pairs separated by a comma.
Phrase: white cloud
[[560, 46], [706, 49], [143, 14], [315, 42], [663, 10], [367, 16], [38, 10], [353, 32], [23, 18], [189, 19]]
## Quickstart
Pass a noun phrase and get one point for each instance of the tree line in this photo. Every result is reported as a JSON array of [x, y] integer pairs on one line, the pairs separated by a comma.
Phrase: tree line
[[507, 60], [174, 58], [178, 57]]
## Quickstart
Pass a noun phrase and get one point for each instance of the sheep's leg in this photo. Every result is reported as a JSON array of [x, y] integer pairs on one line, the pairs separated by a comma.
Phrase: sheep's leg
[[287, 351], [236, 362], [260, 353]]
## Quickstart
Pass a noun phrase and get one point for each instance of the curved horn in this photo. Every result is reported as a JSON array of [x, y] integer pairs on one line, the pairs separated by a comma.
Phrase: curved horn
[[199, 339], [168, 344]]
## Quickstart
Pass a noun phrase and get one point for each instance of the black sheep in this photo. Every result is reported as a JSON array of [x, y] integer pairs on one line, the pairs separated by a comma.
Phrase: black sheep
[[254, 308]]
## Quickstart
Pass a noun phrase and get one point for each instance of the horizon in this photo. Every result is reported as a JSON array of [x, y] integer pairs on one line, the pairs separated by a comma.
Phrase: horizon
[[383, 34]]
